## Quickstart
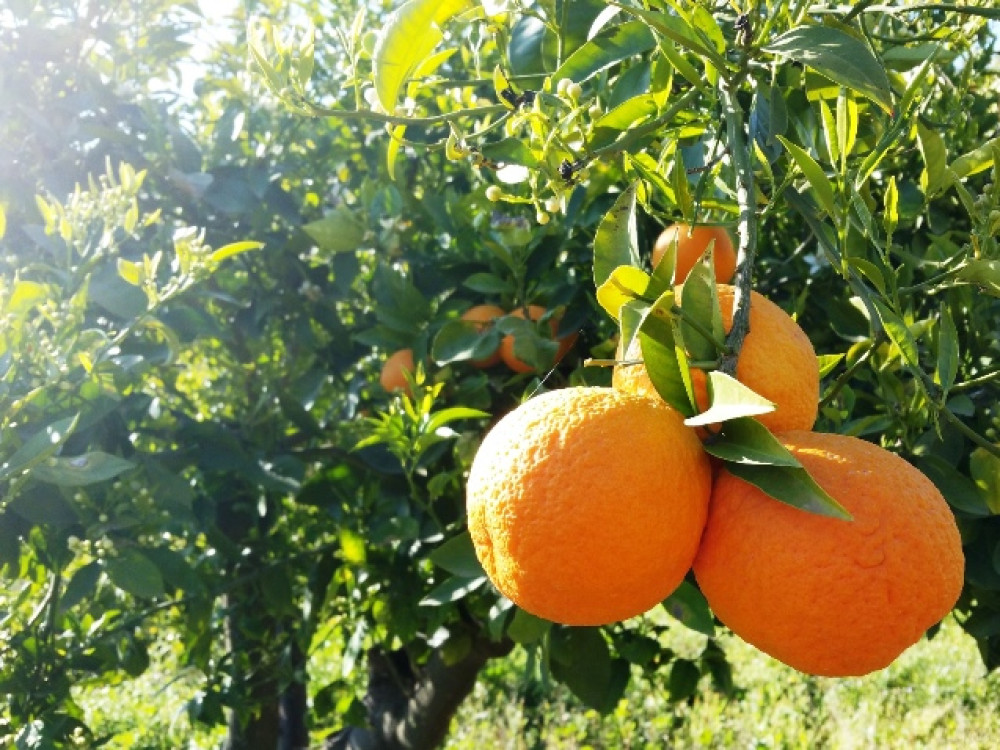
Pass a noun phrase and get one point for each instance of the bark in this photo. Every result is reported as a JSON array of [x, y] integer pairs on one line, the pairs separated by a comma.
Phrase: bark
[[412, 710]]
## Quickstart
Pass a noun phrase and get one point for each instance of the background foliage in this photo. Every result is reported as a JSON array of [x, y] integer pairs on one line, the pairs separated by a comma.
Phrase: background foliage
[[194, 448]]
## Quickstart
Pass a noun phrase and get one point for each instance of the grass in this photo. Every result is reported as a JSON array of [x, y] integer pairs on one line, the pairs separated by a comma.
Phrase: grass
[[937, 695]]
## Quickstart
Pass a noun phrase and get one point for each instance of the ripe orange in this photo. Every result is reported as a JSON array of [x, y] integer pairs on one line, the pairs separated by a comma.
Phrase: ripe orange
[[691, 244], [827, 596], [484, 315], [777, 361], [535, 312], [392, 377], [586, 505]]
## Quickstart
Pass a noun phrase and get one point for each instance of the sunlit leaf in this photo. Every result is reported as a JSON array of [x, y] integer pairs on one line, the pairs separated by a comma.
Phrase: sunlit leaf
[[838, 56], [616, 243]]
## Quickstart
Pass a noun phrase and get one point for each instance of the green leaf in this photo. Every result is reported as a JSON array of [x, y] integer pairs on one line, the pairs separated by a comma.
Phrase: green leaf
[[820, 183], [452, 414], [130, 272], [234, 248], [683, 680], [790, 485], [688, 605], [898, 333], [985, 470], [81, 585], [616, 243], [700, 302], [982, 273], [730, 399], [975, 161], [78, 471], [678, 30], [625, 284], [838, 56], [962, 493], [604, 50], [339, 231], [511, 151], [580, 659], [890, 217], [409, 35], [452, 590], [462, 340], [935, 176], [746, 441], [134, 573], [614, 123], [40, 446], [828, 362], [488, 283], [525, 628], [352, 547], [947, 351], [662, 355]]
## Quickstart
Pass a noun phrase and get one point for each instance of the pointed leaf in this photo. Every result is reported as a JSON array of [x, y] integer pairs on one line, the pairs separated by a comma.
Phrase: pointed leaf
[[947, 353], [339, 231], [409, 35], [458, 556], [985, 470], [133, 572], [791, 485], [730, 400], [78, 471], [746, 441], [820, 183], [898, 333], [625, 284], [452, 590], [235, 248], [838, 56], [604, 50], [616, 243], [688, 605]]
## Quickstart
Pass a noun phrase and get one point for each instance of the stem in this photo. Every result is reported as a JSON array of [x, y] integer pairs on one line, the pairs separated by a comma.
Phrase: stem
[[383, 118], [747, 226]]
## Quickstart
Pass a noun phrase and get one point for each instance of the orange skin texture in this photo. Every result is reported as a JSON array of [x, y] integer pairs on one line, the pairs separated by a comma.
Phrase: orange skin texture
[[535, 312], [691, 244], [392, 377], [483, 316], [777, 361], [826, 596], [586, 505]]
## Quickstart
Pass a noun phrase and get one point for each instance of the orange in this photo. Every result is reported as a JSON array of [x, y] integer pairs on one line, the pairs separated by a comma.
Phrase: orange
[[827, 596], [691, 245], [392, 377], [586, 505], [483, 316], [777, 361], [535, 312]]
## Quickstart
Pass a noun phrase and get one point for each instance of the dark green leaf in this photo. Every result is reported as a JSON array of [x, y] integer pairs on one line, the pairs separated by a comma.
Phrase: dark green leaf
[[747, 441], [662, 355], [961, 492], [688, 605], [683, 680], [81, 585], [985, 470], [525, 628], [78, 471], [458, 557], [39, 447], [838, 56], [580, 659], [460, 340], [133, 572], [791, 485], [614, 123], [452, 590], [820, 183], [488, 283], [339, 231], [947, 350]]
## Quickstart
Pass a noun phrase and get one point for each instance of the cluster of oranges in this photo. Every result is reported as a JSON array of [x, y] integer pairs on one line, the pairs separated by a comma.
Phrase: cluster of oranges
[[591, 505], [481, 317]]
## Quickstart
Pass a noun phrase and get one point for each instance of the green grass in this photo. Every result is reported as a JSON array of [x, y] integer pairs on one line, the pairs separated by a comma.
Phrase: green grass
[[936, 695]]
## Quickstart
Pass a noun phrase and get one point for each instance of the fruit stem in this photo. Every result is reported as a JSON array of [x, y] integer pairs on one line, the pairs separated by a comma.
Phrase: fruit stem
[[739, 149]]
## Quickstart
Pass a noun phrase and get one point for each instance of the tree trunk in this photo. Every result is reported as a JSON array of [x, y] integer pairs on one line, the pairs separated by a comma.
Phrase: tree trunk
[[413, 711]]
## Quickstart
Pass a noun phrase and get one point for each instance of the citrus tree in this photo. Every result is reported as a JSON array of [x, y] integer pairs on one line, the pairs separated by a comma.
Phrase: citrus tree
[[200, 445]]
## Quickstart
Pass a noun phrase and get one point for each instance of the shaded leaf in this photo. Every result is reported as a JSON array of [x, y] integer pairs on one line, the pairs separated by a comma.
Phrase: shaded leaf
[[604, 50], [791, 485], [134, 573], [747, 441], [452, 590], [78, 471], [688, 605]]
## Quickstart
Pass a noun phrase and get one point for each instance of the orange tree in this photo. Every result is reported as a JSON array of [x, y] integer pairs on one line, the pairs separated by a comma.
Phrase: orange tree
[[201, 448]]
